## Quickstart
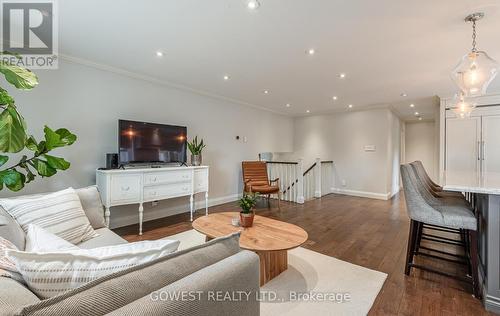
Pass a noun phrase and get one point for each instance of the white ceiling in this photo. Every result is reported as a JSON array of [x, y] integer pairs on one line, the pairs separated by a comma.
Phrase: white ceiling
[[385, 47]]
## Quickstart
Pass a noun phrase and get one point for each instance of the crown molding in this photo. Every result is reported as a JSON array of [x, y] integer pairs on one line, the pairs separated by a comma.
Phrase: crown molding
[[150, 79]]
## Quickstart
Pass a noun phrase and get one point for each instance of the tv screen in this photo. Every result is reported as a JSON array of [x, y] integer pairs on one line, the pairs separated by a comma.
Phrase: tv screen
[[141, 142]]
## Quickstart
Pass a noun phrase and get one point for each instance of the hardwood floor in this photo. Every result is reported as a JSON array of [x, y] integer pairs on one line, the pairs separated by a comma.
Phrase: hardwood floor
[[366, 232]]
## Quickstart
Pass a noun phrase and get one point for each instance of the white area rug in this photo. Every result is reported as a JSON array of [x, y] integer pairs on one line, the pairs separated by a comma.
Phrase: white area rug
[[311, 272]]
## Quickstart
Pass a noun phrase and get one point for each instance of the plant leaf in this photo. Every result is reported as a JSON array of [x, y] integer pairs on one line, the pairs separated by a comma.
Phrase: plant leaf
[[60, 138], [43, 168], [20, 77], [66, 137], [31, 144], [51, 138], [12, 130], [3, 160], [30, 176], [12, 179], [5, 98], [57, 163]]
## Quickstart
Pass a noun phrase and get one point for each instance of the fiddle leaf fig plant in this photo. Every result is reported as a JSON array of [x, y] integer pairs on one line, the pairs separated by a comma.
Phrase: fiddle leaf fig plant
[[14, 136]]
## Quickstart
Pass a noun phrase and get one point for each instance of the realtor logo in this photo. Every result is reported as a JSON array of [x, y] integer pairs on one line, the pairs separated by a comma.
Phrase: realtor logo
[[29, 29]]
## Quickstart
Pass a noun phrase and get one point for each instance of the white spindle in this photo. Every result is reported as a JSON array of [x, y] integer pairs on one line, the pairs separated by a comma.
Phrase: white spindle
[[317, 178], [300, 184]]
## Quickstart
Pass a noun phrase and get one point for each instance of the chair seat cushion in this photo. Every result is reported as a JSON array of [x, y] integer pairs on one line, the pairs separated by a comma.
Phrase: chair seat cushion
[[460, 217], [265, 189]]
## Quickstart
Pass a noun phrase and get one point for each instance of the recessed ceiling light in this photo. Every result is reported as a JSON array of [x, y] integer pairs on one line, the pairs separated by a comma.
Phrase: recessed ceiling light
[[307, 111], [412, 105], [159, 53], [266, 91], [416, 113], [342, 75], [311, 51], [226, 77], [403, 94], [287, 105], [253, 4], [420, 118], [350, 106], [334, 98]]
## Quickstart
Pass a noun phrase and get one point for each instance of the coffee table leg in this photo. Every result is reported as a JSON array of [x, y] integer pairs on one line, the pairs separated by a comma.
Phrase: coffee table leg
[[272, 263]]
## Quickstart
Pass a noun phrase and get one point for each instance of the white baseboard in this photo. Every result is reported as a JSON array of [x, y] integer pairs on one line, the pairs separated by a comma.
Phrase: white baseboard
[[390, 195], [152, 214], [371, 195]]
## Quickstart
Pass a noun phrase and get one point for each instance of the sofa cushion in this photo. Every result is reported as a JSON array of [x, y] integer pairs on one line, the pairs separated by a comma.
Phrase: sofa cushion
[[106, 238], [40, 240], [10, 229], [60, 213], [51, 273], [14, 295], [121, 288], [92, 205]]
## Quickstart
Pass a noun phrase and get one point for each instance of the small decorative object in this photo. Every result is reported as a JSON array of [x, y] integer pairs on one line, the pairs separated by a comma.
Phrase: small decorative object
[[196, 148], [247, 202], [476, 69], [235, 221]]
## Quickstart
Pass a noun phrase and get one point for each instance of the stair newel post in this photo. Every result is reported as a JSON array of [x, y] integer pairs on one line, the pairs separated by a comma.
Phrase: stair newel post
[[300, 181], [317, 179]]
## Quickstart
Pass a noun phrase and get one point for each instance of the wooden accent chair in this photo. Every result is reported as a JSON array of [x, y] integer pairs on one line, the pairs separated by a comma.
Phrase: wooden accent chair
[[256, 180]]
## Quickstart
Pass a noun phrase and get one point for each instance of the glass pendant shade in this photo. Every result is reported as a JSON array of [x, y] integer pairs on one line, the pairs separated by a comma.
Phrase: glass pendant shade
[[474, 73], [462, 106]]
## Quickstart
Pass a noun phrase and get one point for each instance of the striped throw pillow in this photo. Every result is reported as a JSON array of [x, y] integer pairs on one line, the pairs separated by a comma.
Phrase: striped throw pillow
[[50, 274], [7, 266], [60, 213]]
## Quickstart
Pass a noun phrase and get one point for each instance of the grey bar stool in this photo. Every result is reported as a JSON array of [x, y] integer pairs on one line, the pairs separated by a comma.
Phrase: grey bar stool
[[444, 213], [435, 189], [437, 197]]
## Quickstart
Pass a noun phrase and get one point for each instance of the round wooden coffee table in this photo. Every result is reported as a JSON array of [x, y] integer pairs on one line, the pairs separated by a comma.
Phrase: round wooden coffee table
[[268, 238]]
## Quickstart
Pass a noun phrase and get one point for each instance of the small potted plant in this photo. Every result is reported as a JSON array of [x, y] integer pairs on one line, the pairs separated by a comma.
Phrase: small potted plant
[[195, 148], [247, 202]]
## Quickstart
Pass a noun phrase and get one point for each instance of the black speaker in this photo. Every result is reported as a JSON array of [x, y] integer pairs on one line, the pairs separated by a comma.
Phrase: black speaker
[[111, 161]]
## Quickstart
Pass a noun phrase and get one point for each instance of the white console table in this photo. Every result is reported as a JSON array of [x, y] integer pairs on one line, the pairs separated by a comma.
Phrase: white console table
[[131, 186]]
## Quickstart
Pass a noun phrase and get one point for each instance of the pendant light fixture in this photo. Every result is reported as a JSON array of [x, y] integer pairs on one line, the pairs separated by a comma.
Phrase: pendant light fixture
[[476, 70], [463, 106]]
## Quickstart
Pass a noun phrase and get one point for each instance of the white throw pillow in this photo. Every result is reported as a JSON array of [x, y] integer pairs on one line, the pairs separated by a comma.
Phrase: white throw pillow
[[50, 274], [40, 240], [60, 213]]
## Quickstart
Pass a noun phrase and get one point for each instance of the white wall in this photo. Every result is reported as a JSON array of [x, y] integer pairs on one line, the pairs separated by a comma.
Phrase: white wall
[[420, 143], [89, 102], [342, 137]]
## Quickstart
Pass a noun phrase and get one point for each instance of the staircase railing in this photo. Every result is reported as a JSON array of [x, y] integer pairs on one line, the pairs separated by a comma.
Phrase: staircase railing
[[297, 185]]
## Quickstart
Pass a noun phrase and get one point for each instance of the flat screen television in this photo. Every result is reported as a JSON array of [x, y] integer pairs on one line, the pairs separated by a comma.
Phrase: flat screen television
[[141, 142]]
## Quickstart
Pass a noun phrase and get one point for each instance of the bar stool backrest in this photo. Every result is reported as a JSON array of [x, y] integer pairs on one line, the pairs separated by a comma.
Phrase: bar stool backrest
[[416, 205]]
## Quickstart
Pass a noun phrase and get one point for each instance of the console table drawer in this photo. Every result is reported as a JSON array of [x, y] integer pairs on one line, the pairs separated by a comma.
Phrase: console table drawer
[[166, 191], [125, 188], [167, 177], [201, 180]]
